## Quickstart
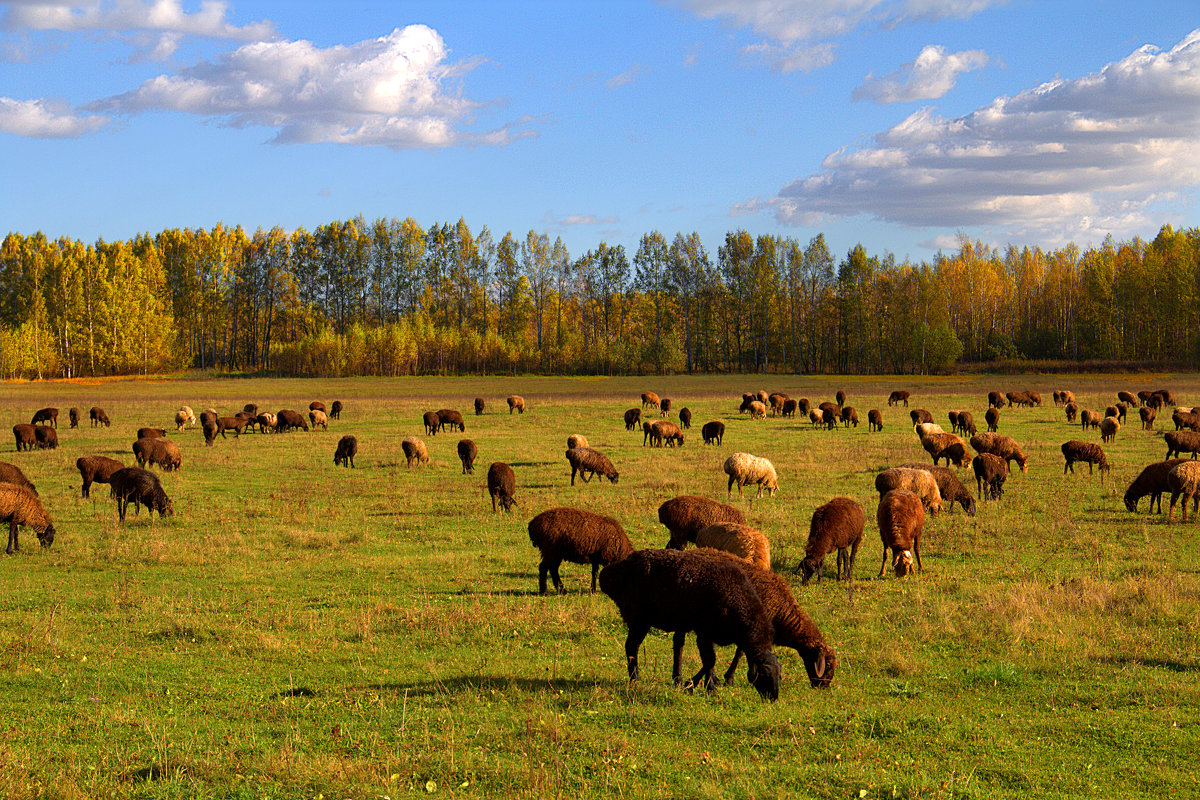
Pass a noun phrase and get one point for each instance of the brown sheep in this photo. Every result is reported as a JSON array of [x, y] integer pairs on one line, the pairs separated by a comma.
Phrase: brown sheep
[[900, 518], [1033, 398], [1072, 412], [581, 537], [286, 420], [501, 485], [790, 405], [1127, 397], [837, 525], [897, 397], [1167, 398], [758, 410], [1108, 429], [918, 481], [647, 427], [685, 417], [649, 399], [803, 406], [47, 437], [919, 415], [98, 417], [1144, 395], [208, 415], [747, 399], [315, 405], [266, 422], [19, 506], [1180, 442], [414, 451], [11, 473], [318, 417], [347, 449], [251, 409], [1084, 452], [950, 487], [633, 418], [73, 414], [665, 431], [840, 397], [335, 410], [1184, 418], [448, 417], [739, 539], [966, 423], [1152, 480], [849, 416], [992, 471], [25, 435], [96, 469], [947, 446], [995, 400], [210, 432], [992, 418], [775, 401], [829, 418], [1184, 480], [151, 433], [162, 453], [664, 407], [47, 415], [432, 421], [1000, 445], [830, 406], [516, 403], [235, 424], [478, 406], [588, 462], [874, 420], [685, 516], [142, 487], [181, 421], [467, 452]]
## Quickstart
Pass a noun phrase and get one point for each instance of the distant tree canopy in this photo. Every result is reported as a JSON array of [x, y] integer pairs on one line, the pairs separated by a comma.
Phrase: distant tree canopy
[[394, 298]]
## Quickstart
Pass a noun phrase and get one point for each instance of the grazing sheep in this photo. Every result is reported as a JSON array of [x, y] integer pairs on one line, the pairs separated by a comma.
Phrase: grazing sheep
[[747, 399], [758, 410], [47, 437], [803, 406], [633, 418], [1112, 411], [577, 440], [588, 462], [266, 421], [713, 431], [1017, 398], [247, 418], [151, 433], [897, 397], [992, 471], [1108, 429], [1167, 397], [335, 410], [739, 539], [1072, 412], [664, 406], [849, 416], [947, 446], [951, 488], [1152, 480], [924, 429], [837, 525], [1127, 397], [181, 421], [96, 469], [453, 419], [1155, 401], [992, 418], [467, 453], [347, 449], [25, 435], [685, 417], [251, 409], [318, 417], [501, 485], [187, 412], [1057, 398], [98, 417], [142, 487], [414, 450], [478, 406], [11, 473], [73, 414], [1183, 479], [1148, 416], [581, 537], [685, 516], [1000, 445], [432, 422], [1033, 398], [516, 403], [47, 415], [286, 420], [900, 518], [790, 406], [1144, 395], [665, 431], [762, 396], [830, 406], [1084, 452], [918, 481], [210, 432], [966, 423], [840, 397], [919, 415], [1184, 418], [829, 418], [953, 417], [874, 420], [691, 591], [1066, 397], [19, 506], [649, 399], [995, 400], [235, 424], [775, 400], [745, 469], [208, 416], [1180, 442], [1122, 412], [315, 405], [646, 429], [816, 416], [162, 453]]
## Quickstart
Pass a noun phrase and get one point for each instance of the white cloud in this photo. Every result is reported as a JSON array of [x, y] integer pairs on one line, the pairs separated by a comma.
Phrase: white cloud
[[626, 77], [45, 119], [559, 222], [385, 91], [931, 75], [1068, 159], [130, 15]]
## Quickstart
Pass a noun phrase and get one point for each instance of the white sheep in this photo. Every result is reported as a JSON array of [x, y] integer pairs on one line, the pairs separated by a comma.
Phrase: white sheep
[[924, 429], [745, 469], [741, 540], [577, 440]]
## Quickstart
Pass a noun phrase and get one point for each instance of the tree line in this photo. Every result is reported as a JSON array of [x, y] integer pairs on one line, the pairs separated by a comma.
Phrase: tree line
[[392, 297]]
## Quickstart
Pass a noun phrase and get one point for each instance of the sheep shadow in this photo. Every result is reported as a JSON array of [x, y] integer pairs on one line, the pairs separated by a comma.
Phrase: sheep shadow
[[469, 684], [1167, 664], [531, 463]]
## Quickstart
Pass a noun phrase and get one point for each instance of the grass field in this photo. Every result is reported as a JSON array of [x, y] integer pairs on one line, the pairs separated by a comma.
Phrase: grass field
[[298, 630]]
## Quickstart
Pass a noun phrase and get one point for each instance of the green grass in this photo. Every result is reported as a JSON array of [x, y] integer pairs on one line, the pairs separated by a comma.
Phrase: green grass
[[300, 630]]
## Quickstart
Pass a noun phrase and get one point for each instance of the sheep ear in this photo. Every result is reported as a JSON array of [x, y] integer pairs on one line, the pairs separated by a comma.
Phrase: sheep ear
[[819, 668]]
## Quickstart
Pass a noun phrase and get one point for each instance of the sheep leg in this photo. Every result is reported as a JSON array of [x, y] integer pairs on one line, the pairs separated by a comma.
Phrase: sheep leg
[[87, 488], [917, 551], [586, 476], [883, 565], [1171, 510], [708, 660], [543, 571], [573, 470], [850, 562], [633, 643], [12, 537], [595, 574], [729, 673], [677, 642]]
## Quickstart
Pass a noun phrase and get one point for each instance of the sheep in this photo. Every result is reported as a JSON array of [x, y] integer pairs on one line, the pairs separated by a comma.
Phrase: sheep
[[665, 431], [837, 525], [251, 409], [897, 397], [647, 427], [1112, 411], [747, 399], [1144, 395], [840, 397], [151, 433], [210, 432], [900, 518], [235, 424], [1066, 397], [1084, 452], [159, 452], [414, 451], [1033, 398], [924, 429], [98, 417], [1072, 412], [1122, 412], [432, 422], [1155, 401], [47, 437], [953, 417], [516, 403], [287, 419], [581, 537], [633, 418], [448, 417], [11, 473], [1167, 397], [249, 420], [949, 486], [187, 412], [830, 417], [691, 591], [917, 481], [744, 469], [995, 400], [181, 421], [947, 446], [828, 406], [803, 406], [990, 470], [73, 415], [1152, 480], [47, 415], [1000, 445], [1184, 418], [1180, 442], [992, 418], [1127, 397], [347, 449], [685, 417], [266, 421], [816, 416], [588, 463], [664, 407], [1148, 416], [1184, 480], [685, 516], [1108, 429], [501, 485], [874, 420], [318, 417], [790, 406], [739, 539], [966, 423], [142, 487], [849, 416], [208, 415], [919, 415], [776, 403], [577, 440], [1019, 399], [467, 452], [19, 506], [758, 410], [1057, 398], [478, 406], [762, 396], [96, 469], [335, 410], [315, 405], [649, 399], [25, 435]]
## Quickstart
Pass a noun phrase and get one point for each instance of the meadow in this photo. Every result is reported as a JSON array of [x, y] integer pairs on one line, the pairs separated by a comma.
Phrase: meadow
[[299, 630]]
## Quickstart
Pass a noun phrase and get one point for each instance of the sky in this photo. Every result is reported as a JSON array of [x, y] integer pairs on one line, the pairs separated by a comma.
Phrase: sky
[[901, 125]]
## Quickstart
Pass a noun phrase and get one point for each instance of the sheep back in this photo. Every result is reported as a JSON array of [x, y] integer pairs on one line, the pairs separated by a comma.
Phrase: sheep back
[[739, 539], [900, 518], [836, 525], [501, 485], [745, 469], [578, 536], [917, 481], [685, 516], [11, 473], [467, 452]]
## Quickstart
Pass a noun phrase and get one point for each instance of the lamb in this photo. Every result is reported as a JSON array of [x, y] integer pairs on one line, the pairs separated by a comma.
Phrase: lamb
[[11, 473], [588, 462], [992, 418], [665, 431], [849, 416], [665, 406], [900, 518], [713, 431], [47, 437], [234, 424], [1000, 445], [924, 429], [966, 423], [789, 407], [685, 417], [874, 420], [685, 516], [501, 485], [287, 419], [649, 399], [1108, 429], [992, 471], [467, 452], [919, 415], [1180, 442], [1184, 480], [432, 421], [210, 433], [739, 539], [1084, 452], [897, 397], [160, 452], [73, 415], [1148, 416], [951, 488], [414, 450], [335, 410], [947, 446], [478, 406], [140, 486], [453, 419], [995, 400], [98, 417], [576, 440], [19, 506], [25, 435], [744, 469], [151, 433], [633, 418], [837, 525], [318, 417], [47, 415], [347, 449], [315, 405], [96, 469], [516, 403], [578, 536], [691, 591], [1152, 480], [1072, 412], [919, 482], [758, 410]]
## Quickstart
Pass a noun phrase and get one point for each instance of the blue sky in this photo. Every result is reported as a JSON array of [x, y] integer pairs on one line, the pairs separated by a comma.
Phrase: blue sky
[[898, 124]]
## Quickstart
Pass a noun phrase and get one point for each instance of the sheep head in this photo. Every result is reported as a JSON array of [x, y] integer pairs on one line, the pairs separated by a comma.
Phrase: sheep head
[[820, 666], [809, 568], [764, 674], [46, 537], [902, 563]]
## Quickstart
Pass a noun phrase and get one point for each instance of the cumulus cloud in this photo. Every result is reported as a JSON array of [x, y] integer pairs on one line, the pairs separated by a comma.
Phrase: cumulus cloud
[[385, 91], [931, 75], [1068, 159], [168, 16], [45, 119]]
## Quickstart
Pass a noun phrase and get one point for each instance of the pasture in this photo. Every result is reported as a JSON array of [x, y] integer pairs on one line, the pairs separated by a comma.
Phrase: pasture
[[300, 630]]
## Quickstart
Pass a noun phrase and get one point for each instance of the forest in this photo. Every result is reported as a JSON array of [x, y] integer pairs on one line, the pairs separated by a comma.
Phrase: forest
[[392, 297]]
